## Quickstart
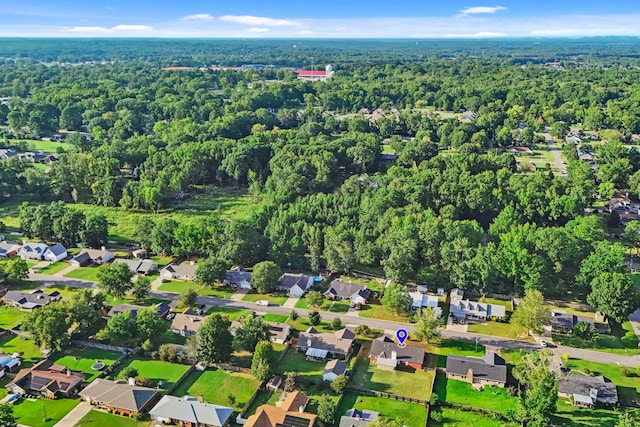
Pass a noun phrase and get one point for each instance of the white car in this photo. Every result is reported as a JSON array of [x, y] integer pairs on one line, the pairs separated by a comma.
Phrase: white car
[[544, 344], [170, 316], [263, 302]]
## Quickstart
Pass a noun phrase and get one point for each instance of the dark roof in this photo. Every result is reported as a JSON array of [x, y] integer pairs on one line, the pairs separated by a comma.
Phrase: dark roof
[[460, 365], [237, 275], [289, 281], [599, 387], [493, 358], [57, 249], [82, 258], [337, 342], [356, 418], [344, 289], [335, 366], [385, 345], [568, 321]]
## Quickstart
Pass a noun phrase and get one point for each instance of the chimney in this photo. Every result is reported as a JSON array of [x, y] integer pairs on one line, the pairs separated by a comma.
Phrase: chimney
[[68, 372], [104, 249], [200, 398], [308, 342], [301, 408], [470, 376], [132, 381], [394, 355]]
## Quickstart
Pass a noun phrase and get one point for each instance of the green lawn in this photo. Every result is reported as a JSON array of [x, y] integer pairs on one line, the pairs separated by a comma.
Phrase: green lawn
[[82, 360], [46, 146], [302, 324], [31, 412], [506, 304], [453, 417], [297, 362], [65, 291], [98, 418], [84, 273], [279, 318], [622, 340], [491, 398], [180, 286], [458, 348], [30, 352], [11, 316], [161, 260], [156, 370], [264, 397], [371, 284], [340, 307], [366, 376], [628, 387], [378, 311], [498, 329], [411, 414], [569, 415], [53, 268], [302, 303], [274, 299], [231, 313], [216, 386]]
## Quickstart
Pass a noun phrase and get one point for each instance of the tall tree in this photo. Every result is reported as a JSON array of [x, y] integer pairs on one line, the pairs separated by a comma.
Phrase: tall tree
[[263, 362], [187, 298], [95, 231], [531, 314], [539, 397], [213, 340], [326, 409], [251, 331], [211, 271], [265, 277], [396, 298], [48, 326], [141, 288], [614, 294], [426, 328], [115, 279], [7, 419], [16, 269]]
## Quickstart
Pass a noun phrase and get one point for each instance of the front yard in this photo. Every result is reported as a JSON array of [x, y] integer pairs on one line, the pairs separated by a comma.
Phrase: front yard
[[180, 286], [628, 386], [32, 412], [82, 360], [274, 299], [411, 414], [622, 340], [231, 313], [84, 273], [447, 347], [54, 268], [490, 398], [378, 311], [99, 418], [219, 387], [497, 329]]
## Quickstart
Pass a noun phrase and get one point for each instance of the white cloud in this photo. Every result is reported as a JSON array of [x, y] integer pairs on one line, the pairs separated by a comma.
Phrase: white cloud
[[482, 9], [478, 35], [105, 30], [304, 32], [201, 17], [259, 21], [257, 30]]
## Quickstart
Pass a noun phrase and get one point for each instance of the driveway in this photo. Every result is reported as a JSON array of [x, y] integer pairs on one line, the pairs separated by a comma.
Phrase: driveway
[[558, 163], [76, 414]]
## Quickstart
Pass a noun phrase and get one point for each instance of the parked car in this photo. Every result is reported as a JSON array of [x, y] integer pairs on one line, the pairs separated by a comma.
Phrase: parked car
[[263, 302], [544, 344]]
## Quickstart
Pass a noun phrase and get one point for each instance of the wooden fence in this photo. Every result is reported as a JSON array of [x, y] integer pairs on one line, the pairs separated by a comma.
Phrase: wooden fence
[[179, 380]]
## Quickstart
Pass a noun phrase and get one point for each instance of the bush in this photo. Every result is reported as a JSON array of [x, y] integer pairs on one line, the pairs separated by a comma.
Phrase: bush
[[144, 382], [293, 315], [129, 372], [436, 416]]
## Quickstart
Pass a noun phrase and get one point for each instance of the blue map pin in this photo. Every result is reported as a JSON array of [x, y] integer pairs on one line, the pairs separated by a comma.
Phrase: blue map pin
[[402, 336]]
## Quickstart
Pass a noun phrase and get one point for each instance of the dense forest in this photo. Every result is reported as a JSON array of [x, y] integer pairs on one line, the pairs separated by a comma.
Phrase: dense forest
[[453, 208]]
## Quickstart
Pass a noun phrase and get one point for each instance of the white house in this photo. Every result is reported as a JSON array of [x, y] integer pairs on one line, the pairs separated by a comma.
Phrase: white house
[[42, 252], [295, 285], [420, 301]]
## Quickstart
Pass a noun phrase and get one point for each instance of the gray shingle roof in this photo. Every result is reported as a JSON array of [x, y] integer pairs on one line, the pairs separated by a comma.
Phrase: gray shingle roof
[[342, 289], [460, 365], [119, 394], [599, 387], [191, 411], [385, 345]]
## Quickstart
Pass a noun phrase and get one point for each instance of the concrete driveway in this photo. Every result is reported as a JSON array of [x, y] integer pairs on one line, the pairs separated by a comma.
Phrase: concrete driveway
[[76, 414]]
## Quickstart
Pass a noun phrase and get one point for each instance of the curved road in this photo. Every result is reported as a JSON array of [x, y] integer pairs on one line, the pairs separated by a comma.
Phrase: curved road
[[386, 325]]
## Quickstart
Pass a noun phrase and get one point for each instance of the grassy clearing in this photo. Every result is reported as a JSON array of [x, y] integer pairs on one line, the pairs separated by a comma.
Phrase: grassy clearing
[[54, 268], [628, 387], [498, 329], [264, 397], [339, 307], [297, 362], [156, 370], [365, 375], [216, 386], [82, 360], [491, 398], [31, 412], [231, 313], [11, 316], [447, 347], [98, 418], [274, 299], [622, 340], [44, 145], [279, 318], [371, 284], [84, 273], [453, 417], [411, 414], [569, 415], [30, 352], [378, 311]]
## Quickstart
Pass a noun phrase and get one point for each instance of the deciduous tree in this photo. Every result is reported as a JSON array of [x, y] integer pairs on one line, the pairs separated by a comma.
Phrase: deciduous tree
[[213, 340], [115, 279], [265, 277], [531, 314]]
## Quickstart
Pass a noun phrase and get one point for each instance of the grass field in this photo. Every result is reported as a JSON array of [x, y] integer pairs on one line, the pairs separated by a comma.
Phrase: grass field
[[569, 415], [447, 347], [45, 146], [378, 311], [365, 375], [411, 414], [82, 360], [280, 318], [297, 362], [453, 417], [274, 299], [11, 316], [30, 352], [628, 387], [84, 273], [180, 286], [31, 412], [491, 398], [98, 418], [156, 370], [216, 386], [53, 268], [622, 340], [230, 313], [498, 329]]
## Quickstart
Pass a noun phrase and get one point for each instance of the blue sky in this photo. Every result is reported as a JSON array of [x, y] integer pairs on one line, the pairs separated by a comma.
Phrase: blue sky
[[324, 18]]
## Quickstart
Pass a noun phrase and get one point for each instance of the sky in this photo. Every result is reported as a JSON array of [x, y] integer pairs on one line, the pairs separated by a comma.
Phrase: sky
[[319, 19]]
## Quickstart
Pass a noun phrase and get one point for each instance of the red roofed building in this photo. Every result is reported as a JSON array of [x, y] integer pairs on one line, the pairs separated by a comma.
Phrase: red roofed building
[[321, 75]]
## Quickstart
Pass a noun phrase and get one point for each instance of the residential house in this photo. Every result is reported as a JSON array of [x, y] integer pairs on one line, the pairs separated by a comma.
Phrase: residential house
[[422, 289], [88, 257], [9, 362], [138, 266], [187, 323], [279, 332], [464, 309], [179, 272], [340, 291], [7, 153], [490, 370], [563, 323], [520, 151], [30, 301], [333, 369], [238, 278], [386, 353], [619, 202], [573, 139], [588, 391], [469, 115], [420, 301], [320, 345], [191, 413], [356, 418], [46, 379], [42, 252], [295, 285], [290, 413], [8, 249], [121, 397]]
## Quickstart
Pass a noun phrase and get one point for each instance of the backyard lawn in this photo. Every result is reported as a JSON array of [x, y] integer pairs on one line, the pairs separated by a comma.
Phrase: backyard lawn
[[274, 299], [84, 273], [297, 362], [453, 417], [371, 284], [231, 313], [53, 268], [622, 340], [31, 412], [264, 397], [98, 418], [490, 398], [156, 370], [569, 415], [366, 376], [82, 360], [10, 316], [378, 311], [30, 352], [411, 414], [219, 387]]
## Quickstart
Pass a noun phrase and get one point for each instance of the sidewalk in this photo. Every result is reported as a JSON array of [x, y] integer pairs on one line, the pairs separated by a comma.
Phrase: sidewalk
[[76, 414]]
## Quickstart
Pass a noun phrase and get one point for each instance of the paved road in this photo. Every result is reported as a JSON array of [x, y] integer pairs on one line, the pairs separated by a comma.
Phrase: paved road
[[558, 163], [487, 340]]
